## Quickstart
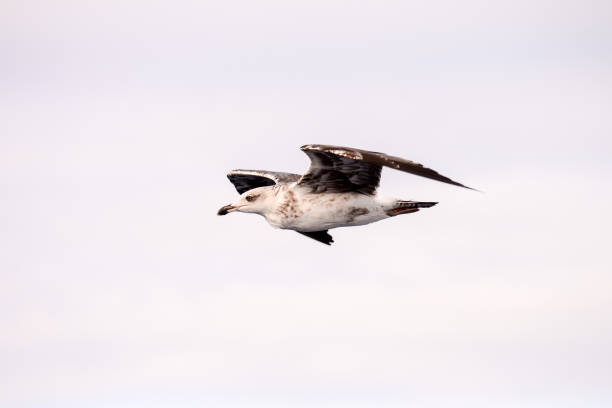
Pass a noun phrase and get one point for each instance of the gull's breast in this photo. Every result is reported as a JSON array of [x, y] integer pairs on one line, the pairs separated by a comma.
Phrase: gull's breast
[[317, 212]]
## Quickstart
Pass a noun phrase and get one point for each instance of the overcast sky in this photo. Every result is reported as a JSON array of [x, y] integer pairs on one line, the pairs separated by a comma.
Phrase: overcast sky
[[120, 287]]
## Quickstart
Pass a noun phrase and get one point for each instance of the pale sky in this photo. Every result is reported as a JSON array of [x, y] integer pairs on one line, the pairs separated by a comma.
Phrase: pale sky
[[122, 288]]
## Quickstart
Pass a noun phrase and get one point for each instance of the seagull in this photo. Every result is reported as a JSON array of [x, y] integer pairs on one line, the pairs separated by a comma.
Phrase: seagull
[[338, 190]]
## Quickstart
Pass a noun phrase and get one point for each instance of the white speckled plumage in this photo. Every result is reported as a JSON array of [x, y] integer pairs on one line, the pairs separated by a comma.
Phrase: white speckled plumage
[[297, 209]]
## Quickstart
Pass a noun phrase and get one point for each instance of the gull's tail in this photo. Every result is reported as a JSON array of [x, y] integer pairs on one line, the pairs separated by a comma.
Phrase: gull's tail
[[407, 207]]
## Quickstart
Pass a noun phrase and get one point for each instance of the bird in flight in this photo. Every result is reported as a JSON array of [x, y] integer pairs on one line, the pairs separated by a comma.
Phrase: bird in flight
[[338, 190]]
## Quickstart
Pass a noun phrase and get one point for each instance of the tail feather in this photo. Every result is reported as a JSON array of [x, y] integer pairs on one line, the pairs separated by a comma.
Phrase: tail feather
[[415, 204], [407, 207]]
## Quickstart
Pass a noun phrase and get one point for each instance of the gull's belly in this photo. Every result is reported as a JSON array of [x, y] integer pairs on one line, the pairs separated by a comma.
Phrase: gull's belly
[[316, 212]]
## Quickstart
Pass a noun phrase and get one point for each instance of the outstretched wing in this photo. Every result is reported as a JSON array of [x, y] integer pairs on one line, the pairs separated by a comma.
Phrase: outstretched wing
[[338, 169], [245, 180]]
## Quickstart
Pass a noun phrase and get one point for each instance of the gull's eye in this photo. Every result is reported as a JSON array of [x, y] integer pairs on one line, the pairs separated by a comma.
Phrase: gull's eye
[[251, 197]]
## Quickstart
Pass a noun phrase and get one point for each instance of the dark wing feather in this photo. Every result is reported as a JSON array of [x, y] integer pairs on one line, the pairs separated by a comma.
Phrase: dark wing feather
[[342, 169], [330, 172], [245, 180], [321, 236]]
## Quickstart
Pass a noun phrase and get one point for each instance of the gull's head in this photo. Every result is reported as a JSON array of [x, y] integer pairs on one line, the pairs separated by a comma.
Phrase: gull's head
[[257, 200]]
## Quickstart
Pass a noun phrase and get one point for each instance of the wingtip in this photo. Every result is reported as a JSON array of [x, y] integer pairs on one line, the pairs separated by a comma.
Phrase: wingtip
[[472, 188], [455, 183]]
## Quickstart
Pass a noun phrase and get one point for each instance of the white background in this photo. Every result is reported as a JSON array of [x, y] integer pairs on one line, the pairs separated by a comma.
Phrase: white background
[[120, 287]]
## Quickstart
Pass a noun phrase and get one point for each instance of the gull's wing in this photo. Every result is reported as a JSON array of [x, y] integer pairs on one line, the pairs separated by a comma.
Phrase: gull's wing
[[245, 180], [338, 169]]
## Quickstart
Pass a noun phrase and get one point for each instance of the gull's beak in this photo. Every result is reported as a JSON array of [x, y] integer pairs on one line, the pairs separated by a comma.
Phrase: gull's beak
[[226, 209]]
